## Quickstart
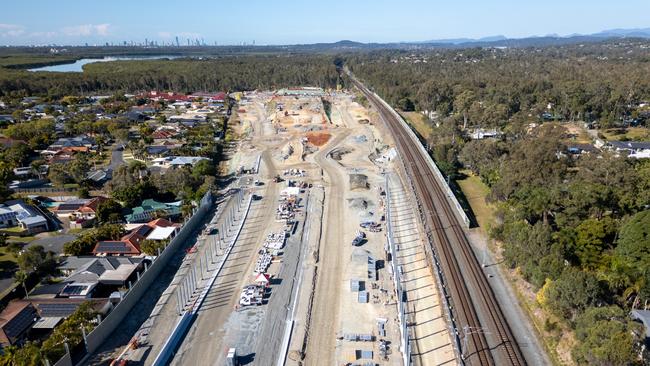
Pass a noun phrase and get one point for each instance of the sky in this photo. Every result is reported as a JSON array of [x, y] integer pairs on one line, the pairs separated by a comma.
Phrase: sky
[[76, 22]]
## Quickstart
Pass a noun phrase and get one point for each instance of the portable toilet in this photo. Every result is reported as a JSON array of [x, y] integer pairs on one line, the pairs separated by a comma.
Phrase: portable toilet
[[366, 354], [363, 297], [354, 285]]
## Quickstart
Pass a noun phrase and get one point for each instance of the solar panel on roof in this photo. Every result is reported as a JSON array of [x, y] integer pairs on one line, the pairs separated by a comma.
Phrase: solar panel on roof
[[74, 289], [20, 322], [22, 214], [58, 309], [112, 247]]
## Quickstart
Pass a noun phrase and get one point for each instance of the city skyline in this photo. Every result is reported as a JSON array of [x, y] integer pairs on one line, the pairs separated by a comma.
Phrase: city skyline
[[291, 22]]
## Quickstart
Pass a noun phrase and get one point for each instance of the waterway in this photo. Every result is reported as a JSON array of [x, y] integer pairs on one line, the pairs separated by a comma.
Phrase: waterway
[[77, 66]]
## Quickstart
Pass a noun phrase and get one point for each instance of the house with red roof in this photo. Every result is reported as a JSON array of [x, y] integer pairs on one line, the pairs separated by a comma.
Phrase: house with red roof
[[218, 97], [129, 244], [164, 134], [166, 96], [89, 210]]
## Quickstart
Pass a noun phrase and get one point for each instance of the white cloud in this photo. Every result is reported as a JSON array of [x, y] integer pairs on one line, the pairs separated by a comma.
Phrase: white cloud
[[11, 30], [102, 29], [87, 30], [165, 35]]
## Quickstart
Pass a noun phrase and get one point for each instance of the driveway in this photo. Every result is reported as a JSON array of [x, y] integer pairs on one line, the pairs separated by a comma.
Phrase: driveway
[[117, 156], [53, 243]]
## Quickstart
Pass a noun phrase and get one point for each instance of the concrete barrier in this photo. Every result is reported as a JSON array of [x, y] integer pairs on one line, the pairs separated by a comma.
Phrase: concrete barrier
[[66, 360]]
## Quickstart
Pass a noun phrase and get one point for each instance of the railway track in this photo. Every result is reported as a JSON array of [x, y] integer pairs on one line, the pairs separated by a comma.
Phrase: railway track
[[485, 338]]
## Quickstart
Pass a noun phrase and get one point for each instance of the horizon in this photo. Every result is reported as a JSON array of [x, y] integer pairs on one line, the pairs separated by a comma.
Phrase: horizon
[[76, 23]]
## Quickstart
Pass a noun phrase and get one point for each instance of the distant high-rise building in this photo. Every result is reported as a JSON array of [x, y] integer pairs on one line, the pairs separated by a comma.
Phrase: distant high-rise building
[[177, 44]]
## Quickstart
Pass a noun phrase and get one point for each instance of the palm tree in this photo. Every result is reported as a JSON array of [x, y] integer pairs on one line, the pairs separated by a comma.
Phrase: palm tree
[[21, 277], [36, 166]]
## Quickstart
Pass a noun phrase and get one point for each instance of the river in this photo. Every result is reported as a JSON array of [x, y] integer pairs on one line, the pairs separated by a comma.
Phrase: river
[[77, 66]]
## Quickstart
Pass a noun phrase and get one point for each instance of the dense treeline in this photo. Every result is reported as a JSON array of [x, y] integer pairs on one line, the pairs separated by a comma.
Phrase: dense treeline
[[577, 229], [491, 86], [180, 75]]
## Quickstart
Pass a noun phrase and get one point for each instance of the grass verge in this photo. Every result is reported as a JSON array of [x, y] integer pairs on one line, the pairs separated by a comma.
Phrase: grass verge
[[475, 192], [419, 122]]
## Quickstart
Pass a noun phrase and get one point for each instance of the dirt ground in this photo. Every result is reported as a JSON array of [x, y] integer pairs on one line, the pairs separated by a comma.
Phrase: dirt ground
[[296, 140], [302, 137], [313, 306], [318, 138]]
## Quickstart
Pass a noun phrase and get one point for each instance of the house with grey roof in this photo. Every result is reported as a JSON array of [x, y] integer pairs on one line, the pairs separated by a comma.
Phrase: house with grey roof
[[90, 277], [643, 316], [7, 218], [6, 119], [27, 216]]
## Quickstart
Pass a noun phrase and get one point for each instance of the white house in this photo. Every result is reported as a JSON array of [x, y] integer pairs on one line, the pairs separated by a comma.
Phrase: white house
[[177, 161], [480, 134], [635, 149]]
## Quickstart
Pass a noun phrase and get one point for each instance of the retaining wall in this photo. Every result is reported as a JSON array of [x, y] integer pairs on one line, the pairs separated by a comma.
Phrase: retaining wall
[[98, 335], [115, 317]]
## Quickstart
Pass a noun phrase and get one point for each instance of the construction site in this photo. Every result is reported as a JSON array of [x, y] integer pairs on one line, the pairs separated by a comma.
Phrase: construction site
[[315, 255]]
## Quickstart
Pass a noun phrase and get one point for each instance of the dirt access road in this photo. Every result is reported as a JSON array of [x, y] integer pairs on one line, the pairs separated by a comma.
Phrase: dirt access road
[[321, 344]]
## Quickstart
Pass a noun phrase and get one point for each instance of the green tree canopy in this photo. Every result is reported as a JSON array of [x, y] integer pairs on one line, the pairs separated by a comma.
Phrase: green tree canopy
[[27, 355], [593, 238], [36, 259], [573, 292], [608, 337], [106, 209], [85, 243], [151, 247], [70, 331], [633, 244]]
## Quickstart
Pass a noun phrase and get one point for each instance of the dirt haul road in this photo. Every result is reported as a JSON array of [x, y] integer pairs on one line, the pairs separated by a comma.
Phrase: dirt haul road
[[324, 324]]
